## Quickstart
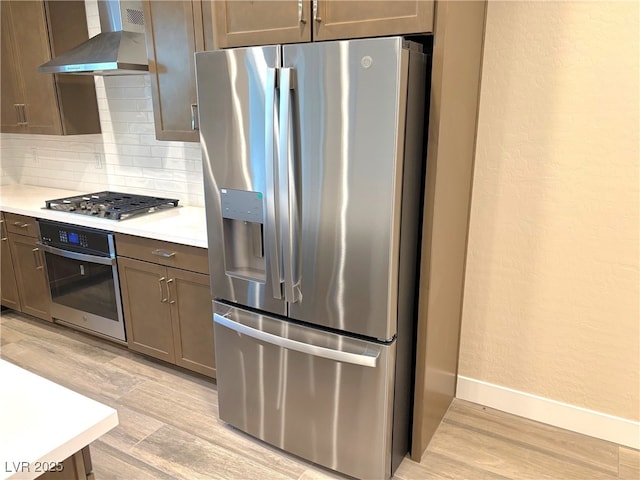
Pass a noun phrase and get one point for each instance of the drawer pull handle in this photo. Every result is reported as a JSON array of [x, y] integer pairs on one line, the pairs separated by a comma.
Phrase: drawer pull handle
[[163, 254], [316, 15], [194, 117], [21, 225], [36, 258], [163, 299], [169, 282]]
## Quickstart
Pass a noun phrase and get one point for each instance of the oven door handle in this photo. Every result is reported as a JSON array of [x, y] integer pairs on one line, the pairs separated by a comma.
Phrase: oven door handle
[[83, 257]]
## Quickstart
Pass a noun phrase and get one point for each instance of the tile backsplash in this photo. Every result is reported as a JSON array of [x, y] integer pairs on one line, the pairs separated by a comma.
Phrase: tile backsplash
[[124, 157]]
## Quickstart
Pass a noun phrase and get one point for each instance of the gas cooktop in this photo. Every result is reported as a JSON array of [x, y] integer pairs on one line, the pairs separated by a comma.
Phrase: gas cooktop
[[111, 205]]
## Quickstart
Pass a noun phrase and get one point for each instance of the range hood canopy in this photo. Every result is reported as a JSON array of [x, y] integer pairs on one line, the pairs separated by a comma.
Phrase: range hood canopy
[[119, 50]]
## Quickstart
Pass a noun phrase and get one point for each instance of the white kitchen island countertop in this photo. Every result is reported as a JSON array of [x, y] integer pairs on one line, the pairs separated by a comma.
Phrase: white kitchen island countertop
[[42, 422], [185, 225]]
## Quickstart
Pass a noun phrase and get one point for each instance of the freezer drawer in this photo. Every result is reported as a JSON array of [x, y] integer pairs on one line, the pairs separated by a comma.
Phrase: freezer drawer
[[325, 397]]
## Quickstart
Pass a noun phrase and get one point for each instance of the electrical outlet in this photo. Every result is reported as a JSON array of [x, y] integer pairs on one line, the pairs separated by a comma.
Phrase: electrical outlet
[[34, 155], [98, 158]]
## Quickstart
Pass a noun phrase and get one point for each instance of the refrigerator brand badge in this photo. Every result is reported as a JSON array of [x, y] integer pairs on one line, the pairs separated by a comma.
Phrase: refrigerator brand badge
[[366, 61]]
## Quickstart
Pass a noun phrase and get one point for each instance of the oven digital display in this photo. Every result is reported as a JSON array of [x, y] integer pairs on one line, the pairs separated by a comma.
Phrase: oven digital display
[[73, 238]]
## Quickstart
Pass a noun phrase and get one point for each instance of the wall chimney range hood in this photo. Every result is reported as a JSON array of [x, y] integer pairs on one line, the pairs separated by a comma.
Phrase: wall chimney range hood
[[119, 50]]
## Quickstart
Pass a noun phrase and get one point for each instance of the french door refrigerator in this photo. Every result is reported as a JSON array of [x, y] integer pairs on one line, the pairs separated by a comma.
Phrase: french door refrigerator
[[312, 167]]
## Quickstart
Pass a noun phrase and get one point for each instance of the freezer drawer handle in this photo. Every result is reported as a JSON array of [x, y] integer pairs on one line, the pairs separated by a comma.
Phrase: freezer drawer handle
[[368, 359]]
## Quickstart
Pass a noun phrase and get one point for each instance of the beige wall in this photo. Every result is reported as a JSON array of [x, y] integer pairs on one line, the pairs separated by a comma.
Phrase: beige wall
[[552, 287]]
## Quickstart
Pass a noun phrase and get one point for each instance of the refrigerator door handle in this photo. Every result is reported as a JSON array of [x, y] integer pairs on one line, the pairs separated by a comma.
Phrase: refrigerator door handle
[[367, 359], [272, 227], [288, 202]]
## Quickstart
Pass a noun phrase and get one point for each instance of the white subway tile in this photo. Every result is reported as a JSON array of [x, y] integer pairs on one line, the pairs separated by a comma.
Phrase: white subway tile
[[126, 171], [144, 105], [163, 174], [148, 163], [120, 104], [175, 163], [130, 117], [193, 153], [126, 138], [138, 150], [123, 160], [144, 128], [125, 81]]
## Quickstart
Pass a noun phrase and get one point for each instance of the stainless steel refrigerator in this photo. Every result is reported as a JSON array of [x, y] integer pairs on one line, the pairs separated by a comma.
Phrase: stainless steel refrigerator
[[313, 159]]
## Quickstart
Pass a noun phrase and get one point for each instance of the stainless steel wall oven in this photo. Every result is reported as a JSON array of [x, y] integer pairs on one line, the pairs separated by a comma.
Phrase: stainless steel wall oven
[[83, 278]]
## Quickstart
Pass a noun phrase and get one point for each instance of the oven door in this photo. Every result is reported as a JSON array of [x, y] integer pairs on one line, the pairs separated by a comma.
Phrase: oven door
[[85, 291]]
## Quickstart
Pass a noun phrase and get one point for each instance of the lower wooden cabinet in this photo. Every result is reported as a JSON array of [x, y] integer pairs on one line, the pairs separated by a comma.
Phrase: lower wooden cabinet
[[31, 280], [24, 282], [168, 311], [9, 296]]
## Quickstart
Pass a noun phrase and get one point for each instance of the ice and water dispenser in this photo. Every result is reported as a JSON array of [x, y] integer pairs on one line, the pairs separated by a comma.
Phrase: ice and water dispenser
[[243, 226]]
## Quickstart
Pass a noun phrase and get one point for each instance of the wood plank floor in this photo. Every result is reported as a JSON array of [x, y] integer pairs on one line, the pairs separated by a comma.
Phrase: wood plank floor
[[169, 426]]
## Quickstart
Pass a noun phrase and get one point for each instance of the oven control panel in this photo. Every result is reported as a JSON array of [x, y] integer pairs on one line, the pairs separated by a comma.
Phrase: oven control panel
[[76, 239]]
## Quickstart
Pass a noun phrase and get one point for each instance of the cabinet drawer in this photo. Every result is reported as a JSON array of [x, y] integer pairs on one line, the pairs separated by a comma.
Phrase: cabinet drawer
[[21, 224], [163, 253]]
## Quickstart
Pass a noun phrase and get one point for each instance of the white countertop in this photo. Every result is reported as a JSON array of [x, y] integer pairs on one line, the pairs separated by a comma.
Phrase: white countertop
[[186, 225], [42, 422]]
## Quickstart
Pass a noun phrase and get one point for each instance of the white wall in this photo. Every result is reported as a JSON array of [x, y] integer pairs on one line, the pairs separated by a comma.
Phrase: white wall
[[552, 293], [125, 157]]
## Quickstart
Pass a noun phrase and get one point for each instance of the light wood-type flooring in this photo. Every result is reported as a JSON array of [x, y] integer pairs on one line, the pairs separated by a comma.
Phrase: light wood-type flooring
[[169, 426]]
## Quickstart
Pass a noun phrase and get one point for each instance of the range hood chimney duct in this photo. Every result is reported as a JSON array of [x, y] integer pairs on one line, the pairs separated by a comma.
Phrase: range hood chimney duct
[[119, 50]]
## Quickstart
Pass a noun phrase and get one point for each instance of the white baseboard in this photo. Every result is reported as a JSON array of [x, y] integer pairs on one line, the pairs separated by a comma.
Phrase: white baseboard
[[562, 415]]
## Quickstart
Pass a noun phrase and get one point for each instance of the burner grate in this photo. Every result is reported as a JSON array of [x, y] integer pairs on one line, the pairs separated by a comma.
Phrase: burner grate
[[113, 205]]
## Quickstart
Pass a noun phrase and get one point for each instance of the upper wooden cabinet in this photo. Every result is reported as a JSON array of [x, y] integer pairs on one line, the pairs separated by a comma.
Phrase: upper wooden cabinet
[[241, 23], [356, 19], [246, 22], [31, 102], [174, 31]]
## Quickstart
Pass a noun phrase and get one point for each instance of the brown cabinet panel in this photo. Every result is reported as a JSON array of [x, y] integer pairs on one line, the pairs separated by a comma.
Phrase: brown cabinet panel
[[165, 253], [11, 98], [29, 26], [42, 103], [145, 301], [21, 224], [192, 314], [76, 467], [356, 19], [245, 22], [32, 283], [167, 309], [9, 296], [172, 39]]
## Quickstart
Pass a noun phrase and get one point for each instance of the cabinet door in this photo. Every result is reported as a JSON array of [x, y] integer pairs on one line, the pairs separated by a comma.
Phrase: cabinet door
[[147, 315], [30, 276], [172, 38], [28, 27], [8, 287], [356, 19], [192, 313], [245, 22], [9, 76]]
